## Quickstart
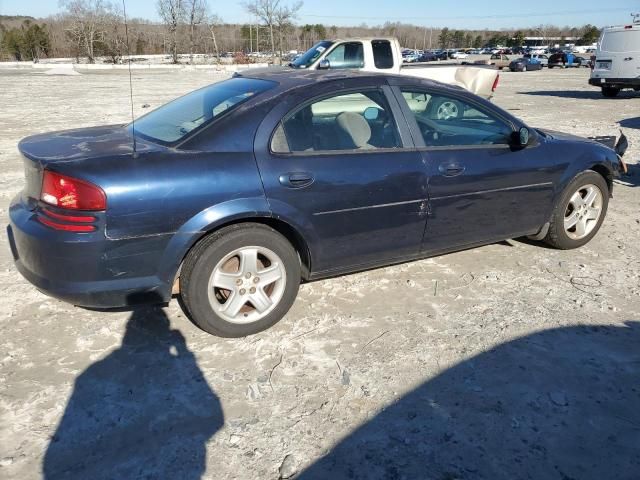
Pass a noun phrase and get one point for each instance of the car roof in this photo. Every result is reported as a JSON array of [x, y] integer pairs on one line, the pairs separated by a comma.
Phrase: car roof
[[292, 78]]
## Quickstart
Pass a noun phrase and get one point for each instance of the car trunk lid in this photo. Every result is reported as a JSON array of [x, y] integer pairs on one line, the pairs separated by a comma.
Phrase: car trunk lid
[[64, 151]]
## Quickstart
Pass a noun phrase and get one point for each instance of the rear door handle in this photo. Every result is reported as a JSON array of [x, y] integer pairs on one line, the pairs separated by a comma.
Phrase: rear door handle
[[296, 180], [451, 169]]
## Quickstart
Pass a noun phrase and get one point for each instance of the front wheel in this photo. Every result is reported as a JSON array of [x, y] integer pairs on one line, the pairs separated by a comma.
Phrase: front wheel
[[240, 280], [579, 213]]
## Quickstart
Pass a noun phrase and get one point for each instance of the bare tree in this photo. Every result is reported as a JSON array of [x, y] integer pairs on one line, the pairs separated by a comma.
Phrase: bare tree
[[284, 16], [213, 21], [88, 20], [195, 14], [172, 13], [269, 12]]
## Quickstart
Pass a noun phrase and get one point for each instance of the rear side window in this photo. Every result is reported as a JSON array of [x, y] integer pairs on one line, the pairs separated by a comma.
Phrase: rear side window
[[382, 54], [347, 55], [354, 121]]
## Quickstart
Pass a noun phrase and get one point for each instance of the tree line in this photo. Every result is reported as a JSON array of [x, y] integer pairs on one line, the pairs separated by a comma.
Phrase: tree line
[[94, 30]]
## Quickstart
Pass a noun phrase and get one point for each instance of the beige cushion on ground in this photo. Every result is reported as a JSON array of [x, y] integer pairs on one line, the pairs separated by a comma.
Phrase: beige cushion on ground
[[356, 127]]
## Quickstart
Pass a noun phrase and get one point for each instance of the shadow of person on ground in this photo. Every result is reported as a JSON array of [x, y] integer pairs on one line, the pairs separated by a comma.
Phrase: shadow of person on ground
[[595, 94], [559, 404], [144, 411]]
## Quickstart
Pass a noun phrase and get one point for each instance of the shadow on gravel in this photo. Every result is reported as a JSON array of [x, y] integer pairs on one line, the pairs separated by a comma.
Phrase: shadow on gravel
[[582, 94], [560, 404], [144, 411], [630, 123]]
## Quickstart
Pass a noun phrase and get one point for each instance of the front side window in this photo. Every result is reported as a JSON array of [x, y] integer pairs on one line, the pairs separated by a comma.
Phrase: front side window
[[448, 122], [356, 121], [347, 55], [172, 122]]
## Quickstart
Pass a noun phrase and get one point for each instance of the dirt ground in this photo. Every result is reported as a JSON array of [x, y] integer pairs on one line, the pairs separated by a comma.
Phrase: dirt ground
[[507, 361]]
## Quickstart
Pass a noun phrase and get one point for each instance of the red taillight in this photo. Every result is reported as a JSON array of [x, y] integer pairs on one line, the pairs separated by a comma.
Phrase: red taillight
[[495, 83], [71, 193]]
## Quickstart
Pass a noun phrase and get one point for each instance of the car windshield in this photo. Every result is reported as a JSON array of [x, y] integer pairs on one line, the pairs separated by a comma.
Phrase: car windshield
[[311, 55], [172, 122]]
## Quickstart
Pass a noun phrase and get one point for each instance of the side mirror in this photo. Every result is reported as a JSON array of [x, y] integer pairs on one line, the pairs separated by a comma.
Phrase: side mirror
[[324, 64], [521, 137]]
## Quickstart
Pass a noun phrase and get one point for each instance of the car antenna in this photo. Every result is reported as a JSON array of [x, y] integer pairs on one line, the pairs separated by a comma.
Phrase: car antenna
[[133, 118]]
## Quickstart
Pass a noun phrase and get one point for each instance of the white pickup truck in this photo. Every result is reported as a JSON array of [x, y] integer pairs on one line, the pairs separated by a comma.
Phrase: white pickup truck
[[385, 55]]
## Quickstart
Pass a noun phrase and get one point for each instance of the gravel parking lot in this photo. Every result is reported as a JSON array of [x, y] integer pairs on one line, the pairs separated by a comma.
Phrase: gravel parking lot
[[508, 361]]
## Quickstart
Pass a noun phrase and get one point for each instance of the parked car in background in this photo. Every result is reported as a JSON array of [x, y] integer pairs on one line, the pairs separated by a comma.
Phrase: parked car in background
[[242, 189], [563, 60], [583, 62], [499, 60], [458, 55], [541, 58], [617, 60], [383, 55], [428, 57], [524, 65], [410, 57]]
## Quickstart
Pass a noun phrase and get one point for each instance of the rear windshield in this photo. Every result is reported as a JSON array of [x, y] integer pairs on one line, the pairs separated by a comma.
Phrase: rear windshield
[[174, 121], [621, 41]]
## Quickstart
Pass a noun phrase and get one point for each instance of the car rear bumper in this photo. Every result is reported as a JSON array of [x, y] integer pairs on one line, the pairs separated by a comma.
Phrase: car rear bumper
[[85, 269], [615, 82]]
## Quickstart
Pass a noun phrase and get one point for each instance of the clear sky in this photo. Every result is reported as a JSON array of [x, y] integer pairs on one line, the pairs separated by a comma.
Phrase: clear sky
[[494, 14]]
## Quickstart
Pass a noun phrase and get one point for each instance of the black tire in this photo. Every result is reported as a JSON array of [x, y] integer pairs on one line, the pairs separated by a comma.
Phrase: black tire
[[557, 236], [610, 92], [208, 252]]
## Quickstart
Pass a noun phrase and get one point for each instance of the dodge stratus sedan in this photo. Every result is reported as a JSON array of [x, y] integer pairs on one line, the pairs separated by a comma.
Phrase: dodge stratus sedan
[[235, 193]]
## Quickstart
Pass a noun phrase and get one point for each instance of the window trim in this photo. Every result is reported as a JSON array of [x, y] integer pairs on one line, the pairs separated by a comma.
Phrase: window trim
[[384, 89], [415, 129]]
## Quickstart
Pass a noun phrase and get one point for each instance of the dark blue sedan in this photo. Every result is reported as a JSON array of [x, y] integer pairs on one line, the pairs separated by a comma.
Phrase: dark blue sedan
[[525, 65], [234, 193]]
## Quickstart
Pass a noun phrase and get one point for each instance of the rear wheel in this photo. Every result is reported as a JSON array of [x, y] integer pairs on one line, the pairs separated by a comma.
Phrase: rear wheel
[[240, 280], [610, 92], [579, 213], [524, 68]]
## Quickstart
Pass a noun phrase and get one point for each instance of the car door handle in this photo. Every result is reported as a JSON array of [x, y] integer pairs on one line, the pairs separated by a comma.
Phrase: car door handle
[[628, 59], [451, 169], [296, 180]]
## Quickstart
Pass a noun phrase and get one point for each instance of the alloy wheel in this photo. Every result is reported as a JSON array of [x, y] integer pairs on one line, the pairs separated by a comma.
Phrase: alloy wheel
[[247, 284], [447, 110], [583, 211]]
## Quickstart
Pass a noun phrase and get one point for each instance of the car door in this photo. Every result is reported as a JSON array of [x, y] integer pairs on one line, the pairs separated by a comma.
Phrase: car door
[[339, 166], [481, 188]]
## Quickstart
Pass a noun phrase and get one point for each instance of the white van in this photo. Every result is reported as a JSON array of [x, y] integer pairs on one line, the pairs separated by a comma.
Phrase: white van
[[617, 61]]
